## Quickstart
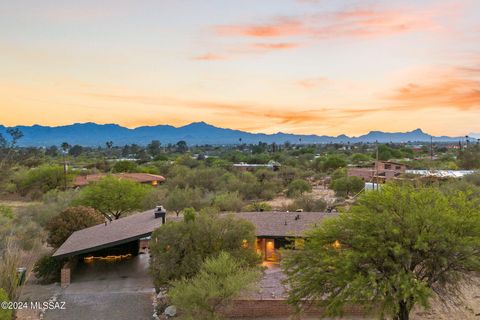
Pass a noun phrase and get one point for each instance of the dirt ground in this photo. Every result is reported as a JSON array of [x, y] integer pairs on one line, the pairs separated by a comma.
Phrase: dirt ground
[[280, 203]]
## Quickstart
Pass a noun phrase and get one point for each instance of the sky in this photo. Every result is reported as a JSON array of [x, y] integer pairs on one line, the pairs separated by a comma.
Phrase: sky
[[298, 66]]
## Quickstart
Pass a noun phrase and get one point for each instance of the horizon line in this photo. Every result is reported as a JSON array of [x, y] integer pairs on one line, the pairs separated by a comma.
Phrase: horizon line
[[221, 127]]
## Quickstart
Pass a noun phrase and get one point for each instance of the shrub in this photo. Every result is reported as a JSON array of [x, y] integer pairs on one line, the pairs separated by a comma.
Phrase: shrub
[[347, 186], [298, 187], [47, 269], [5, 314], [219, 281], [229, 201], [203, 237], [125, 166], [308, 204], [258, 206], [42, 179]]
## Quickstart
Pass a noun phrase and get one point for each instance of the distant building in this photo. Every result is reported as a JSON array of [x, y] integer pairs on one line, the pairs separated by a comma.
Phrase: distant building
[[145, 178], [380, 172], [273, 165], [441, 173]]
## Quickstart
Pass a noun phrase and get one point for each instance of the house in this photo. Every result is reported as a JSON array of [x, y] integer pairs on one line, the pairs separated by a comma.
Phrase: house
[[145, 178], [381, 171], [272, 165], [277, 230], [126, 237]]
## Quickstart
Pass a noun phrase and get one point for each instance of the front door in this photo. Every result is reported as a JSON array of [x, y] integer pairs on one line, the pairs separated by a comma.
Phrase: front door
[[270, 254]]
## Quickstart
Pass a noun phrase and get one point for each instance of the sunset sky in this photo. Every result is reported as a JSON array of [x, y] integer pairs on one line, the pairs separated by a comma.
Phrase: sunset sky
[[300, 66]]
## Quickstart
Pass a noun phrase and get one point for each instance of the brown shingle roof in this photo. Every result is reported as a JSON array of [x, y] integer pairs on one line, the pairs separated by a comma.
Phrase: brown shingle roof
[[82, 180], [272, 224], [116, 232], [283, 224]]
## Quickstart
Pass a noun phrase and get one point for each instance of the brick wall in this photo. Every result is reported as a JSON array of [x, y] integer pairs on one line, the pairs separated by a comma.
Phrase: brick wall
[[65, 275], [66, 272], [278, 308]]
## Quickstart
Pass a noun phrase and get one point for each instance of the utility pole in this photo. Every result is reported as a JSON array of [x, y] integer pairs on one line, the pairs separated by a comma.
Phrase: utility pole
[[64, 171], [376, 166], [431, 148]]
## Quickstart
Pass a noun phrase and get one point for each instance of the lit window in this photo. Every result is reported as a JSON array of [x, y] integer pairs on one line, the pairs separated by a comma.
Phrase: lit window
[[336, 244]]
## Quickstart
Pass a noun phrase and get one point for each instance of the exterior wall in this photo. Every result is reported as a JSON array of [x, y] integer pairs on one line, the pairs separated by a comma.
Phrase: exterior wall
[[385, 170], [366, 174], [278, 308]]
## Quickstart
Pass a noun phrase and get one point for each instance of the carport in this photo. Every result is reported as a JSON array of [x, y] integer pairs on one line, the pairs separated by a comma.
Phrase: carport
[[113, 241]]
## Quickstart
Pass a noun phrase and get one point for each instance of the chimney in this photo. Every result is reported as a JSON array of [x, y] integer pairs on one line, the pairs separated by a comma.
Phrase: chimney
[[160, 212]]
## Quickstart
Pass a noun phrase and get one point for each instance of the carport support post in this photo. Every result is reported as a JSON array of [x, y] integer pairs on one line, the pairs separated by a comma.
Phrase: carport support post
[[66, 272]]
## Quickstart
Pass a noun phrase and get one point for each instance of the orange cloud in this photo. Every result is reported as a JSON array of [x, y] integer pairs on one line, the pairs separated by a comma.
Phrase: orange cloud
[[352, 23], [276, 46], [209, 57], [279, 27], [312, 82], [455, 88]]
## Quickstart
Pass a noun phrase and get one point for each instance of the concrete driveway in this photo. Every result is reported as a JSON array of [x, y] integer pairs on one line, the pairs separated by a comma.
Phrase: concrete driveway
[[107, 290]]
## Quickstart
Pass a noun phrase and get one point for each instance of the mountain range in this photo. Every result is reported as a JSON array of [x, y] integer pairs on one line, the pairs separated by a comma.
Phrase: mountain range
[[197, 133]]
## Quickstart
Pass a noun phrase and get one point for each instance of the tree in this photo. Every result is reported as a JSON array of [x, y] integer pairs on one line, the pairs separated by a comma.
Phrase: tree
[[179, 199], [182, 146], [153, 148], [298, 187], [8, 146], [394, 249], [228, 201], [347, 186], [69, 221], [179, 248], [469, 158], [358, 158], [75, 151], [41, 179], [113, 197], [219, 281], [125, 166], [333, 162]]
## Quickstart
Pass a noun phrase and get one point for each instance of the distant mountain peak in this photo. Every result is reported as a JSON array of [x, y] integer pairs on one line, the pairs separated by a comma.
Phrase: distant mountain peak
[[93, 134]]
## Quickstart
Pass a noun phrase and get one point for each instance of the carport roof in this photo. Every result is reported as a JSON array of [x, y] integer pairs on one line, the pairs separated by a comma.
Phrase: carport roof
[[114, 233]]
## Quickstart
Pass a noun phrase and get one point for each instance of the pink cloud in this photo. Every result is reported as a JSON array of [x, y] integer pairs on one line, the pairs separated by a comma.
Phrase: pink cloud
[[209, 57], [349, 23], [312, 82]]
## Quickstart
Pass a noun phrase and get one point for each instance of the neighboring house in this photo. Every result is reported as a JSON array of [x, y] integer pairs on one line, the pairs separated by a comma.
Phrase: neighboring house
[[381, 171], [128, 236], [273, 165], [441, 173], [145, 178]]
